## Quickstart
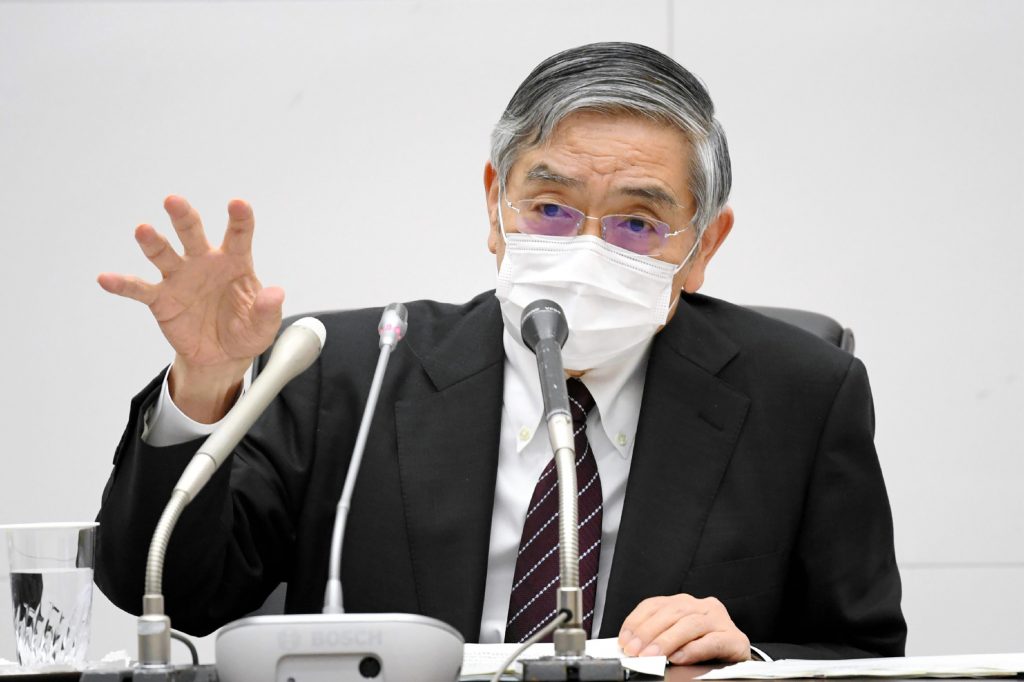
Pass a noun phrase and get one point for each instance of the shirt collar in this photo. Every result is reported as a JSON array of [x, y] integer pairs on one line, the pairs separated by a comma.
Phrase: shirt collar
[[617, 390]]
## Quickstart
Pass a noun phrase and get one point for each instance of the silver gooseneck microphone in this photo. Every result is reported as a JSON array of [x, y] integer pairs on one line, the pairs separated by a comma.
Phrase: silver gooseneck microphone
[[295, 350], [392, 327], [544, 330]]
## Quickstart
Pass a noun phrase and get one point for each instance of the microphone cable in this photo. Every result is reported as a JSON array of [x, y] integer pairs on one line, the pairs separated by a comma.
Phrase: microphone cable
[[561, 617]]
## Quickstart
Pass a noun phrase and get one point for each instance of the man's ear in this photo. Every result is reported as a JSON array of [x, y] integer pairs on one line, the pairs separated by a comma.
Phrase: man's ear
[[713, 237], [491, 185]]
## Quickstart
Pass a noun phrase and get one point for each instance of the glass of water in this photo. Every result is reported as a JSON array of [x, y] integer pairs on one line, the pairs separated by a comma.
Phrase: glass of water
[[51, 591]]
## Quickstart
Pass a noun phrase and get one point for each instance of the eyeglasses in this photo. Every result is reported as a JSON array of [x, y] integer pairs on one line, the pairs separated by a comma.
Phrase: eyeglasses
[[635, 233]]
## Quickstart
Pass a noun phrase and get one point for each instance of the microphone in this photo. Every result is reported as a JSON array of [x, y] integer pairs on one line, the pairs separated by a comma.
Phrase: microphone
[[393, 323], [335, 646], [294, 351], [544, 331]]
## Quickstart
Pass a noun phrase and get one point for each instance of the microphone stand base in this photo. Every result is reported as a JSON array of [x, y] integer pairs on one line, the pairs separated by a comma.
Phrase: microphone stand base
[[582, 668], [343, 647]]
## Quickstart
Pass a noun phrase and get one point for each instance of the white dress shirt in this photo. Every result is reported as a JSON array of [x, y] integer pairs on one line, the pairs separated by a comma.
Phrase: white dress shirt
[[523, 452], [164, 424]]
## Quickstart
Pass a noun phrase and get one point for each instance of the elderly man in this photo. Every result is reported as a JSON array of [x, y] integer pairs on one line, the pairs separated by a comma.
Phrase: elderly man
[[729, 488]]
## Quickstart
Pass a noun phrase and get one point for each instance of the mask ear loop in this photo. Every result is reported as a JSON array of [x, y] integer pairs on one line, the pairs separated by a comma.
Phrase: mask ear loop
[[678, 295], [501, 221], [693, 251], [691, 254]]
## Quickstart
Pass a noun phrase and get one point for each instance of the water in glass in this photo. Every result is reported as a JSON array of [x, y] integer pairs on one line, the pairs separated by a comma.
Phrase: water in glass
[[51, 615]]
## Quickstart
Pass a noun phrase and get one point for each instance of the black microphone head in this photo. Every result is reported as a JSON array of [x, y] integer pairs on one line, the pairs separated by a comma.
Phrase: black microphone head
[[543, 319]]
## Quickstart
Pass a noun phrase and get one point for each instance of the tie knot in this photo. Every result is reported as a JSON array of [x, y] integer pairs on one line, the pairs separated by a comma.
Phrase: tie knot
[[580, 401]]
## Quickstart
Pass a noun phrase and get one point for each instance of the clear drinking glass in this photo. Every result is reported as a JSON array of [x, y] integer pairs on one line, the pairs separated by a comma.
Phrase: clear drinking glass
[[51, 590]]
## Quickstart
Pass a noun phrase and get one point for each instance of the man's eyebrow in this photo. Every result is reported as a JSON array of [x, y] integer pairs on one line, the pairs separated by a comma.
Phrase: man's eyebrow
[[655, 194], [543, 173]]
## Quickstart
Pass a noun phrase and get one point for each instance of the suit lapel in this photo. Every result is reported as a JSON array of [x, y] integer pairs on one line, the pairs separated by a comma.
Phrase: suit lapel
[[448, 443], [689, 424], [447, 450]]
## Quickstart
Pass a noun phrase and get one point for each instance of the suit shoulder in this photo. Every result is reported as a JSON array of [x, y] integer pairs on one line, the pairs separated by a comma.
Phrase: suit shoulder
[[769, 343]]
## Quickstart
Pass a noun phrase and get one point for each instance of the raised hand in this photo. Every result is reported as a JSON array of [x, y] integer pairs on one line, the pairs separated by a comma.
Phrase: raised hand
[[209, 304]]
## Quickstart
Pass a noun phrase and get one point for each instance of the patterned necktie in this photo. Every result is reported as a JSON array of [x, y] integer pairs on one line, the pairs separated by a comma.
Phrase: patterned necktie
[[536, 581]]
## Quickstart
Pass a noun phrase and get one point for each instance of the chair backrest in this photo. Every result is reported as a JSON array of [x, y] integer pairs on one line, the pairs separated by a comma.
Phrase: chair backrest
[[815, 323]]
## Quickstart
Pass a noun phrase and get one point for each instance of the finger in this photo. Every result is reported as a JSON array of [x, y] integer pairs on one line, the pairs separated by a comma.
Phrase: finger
[[157, 249], [729, 646], [128, 286], [187, 224], [652, 617], [241, 222], [677, 634], [636, 617], [652, 621]]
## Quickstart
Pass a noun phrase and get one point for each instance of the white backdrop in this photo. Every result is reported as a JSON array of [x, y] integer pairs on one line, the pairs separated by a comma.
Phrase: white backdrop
[[877, 152]]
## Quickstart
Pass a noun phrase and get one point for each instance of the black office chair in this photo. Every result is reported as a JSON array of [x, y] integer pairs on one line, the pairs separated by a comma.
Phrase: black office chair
[[815, 323]]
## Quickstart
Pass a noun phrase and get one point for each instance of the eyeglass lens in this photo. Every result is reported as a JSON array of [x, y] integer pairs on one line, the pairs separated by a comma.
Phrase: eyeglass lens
[[552, 220], [634, 233]]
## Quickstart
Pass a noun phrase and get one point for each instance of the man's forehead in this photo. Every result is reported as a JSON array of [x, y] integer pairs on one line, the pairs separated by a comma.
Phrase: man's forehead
[[587, 148]]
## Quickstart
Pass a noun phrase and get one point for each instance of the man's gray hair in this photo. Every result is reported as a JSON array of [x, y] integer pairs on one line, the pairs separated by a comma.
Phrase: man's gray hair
[[619, 78]]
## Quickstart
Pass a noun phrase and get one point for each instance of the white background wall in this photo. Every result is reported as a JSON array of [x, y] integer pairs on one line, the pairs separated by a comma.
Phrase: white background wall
[[877, 152]]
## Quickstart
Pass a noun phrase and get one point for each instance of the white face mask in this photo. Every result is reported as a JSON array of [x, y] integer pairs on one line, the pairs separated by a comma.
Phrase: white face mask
[[614, 300]]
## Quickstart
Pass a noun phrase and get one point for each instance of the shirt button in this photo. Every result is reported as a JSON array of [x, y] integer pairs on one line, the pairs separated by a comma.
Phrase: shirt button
[[524, 433], [621, 439]]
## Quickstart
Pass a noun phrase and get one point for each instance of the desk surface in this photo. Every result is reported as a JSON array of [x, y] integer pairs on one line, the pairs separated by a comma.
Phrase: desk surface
[[673, 673], [685, 673]]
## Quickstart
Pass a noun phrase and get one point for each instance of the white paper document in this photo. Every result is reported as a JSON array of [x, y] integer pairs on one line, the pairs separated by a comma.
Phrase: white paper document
[[484, 659], [973, 665]]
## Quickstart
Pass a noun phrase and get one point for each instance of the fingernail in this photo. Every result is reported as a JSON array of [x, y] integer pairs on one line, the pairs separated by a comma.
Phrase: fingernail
[[652, 650], [633, 647], [625, 635]]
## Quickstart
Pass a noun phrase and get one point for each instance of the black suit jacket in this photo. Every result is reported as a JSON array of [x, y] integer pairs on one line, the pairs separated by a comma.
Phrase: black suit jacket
[[754, 479]]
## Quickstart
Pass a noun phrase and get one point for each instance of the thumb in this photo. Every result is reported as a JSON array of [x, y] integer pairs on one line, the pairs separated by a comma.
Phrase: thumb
[[266, 311]]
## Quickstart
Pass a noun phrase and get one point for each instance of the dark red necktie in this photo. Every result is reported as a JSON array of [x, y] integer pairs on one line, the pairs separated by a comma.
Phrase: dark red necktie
[[535, 585]]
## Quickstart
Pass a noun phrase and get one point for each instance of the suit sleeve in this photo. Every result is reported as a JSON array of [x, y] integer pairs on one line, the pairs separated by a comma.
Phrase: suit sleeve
[[231, 546], [843, 591]]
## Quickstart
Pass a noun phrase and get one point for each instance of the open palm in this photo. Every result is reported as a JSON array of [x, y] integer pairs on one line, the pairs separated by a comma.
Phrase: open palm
[[209, 303]]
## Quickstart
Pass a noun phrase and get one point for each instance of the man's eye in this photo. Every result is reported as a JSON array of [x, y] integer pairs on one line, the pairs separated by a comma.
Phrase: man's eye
[[551, 210], [634, 224], [639, 224]]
